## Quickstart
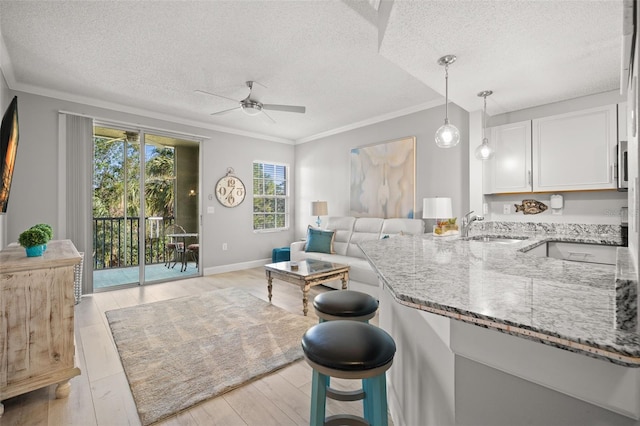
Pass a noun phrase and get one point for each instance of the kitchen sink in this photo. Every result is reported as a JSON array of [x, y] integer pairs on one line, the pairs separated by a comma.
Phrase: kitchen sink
[[502, 240]]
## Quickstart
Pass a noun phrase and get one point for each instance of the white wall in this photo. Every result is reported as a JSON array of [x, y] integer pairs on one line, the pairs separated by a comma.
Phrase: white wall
[[35, 188], [323, 168], [595, 207]]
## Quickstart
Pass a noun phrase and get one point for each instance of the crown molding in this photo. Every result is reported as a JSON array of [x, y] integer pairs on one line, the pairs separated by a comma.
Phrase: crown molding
[[5, 63], [372, 120], [141, 112], [7, 70]]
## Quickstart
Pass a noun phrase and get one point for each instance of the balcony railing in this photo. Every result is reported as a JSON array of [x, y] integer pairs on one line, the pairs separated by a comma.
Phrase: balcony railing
[[115, 241]]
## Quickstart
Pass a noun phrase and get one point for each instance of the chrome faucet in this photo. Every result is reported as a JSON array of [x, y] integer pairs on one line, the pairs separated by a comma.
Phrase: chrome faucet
[[467, 220]]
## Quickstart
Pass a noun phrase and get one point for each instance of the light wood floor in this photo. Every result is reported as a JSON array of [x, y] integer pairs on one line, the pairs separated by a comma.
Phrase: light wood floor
[[101, 395]]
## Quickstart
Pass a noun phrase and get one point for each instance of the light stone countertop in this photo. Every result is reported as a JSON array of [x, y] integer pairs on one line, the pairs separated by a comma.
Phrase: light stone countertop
[[570, 305]]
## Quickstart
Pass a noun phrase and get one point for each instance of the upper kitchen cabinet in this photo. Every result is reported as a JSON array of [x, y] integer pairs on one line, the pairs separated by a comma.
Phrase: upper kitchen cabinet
[[575, 151], [622, 121], [510, 168]]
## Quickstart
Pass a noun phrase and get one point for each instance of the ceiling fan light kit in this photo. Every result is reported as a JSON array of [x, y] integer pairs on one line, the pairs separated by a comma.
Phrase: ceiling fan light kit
[[448, 135], [253, 107], [484, 151], [250, 107]]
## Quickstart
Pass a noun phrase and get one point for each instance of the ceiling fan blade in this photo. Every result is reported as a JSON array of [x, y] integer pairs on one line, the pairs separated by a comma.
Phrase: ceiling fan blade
[[268, 116], [213, 94], [224, 111], [286, 108]]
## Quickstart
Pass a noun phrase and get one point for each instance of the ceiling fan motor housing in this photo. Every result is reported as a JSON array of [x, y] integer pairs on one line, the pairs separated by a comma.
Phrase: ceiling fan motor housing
[[251, 107]]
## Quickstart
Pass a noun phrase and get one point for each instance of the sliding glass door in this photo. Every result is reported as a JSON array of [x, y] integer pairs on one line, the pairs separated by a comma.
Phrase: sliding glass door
[[145, 224]]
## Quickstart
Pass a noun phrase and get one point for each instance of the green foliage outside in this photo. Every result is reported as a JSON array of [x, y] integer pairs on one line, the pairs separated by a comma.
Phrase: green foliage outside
[[116, 191], [270, 191]]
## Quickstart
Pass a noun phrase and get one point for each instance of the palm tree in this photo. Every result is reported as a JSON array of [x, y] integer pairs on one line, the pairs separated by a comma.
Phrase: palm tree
[[159, 186]]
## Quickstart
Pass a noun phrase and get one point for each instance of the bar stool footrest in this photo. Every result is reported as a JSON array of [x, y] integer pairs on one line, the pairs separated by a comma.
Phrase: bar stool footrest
[[340, 395], [345, 419]]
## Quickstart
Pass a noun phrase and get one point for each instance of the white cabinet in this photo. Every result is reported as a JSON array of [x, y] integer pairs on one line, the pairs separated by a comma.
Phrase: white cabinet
[[568, 152], [510, 168], [575, 151], [622, 121]]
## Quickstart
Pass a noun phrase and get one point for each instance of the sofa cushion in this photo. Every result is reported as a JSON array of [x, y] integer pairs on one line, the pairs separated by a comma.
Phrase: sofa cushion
[[319, 240], [365, 229], [342, 226]]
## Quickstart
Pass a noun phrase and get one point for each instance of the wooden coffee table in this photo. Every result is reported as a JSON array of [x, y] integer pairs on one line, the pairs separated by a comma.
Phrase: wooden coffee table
[[310, 272]]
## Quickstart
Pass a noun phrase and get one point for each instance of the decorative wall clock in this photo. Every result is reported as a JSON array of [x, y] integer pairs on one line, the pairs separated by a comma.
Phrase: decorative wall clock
[[230, 190]]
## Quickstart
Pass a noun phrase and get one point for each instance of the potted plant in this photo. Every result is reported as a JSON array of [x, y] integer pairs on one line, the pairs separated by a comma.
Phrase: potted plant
[[33, 240], [47, 229]]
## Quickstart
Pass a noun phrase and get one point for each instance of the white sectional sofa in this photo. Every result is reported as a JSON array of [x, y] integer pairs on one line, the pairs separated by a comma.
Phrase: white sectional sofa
[[349, 231]]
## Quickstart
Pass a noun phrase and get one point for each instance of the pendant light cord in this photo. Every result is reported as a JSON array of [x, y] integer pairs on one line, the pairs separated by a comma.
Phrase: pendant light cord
[[484, 118], [446, 94]]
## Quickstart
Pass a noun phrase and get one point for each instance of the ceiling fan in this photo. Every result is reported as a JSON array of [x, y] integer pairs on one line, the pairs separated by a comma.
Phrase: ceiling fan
[[253, 107]]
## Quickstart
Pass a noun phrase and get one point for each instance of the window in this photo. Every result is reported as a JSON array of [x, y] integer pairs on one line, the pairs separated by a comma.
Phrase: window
[[270, 196]]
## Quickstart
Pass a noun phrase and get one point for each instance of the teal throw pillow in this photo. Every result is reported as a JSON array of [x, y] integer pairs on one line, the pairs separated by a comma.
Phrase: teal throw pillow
[[320, 240]]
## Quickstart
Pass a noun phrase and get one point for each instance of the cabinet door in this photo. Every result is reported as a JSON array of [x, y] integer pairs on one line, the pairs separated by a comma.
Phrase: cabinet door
[[510, 168], [575, 151], [622, 121]]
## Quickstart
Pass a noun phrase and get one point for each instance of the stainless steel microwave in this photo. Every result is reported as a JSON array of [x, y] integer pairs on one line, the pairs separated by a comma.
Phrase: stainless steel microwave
[[623, 167]]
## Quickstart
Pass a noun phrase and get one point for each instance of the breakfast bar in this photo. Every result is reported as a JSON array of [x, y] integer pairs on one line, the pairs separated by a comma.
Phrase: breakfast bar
[[464, 307]]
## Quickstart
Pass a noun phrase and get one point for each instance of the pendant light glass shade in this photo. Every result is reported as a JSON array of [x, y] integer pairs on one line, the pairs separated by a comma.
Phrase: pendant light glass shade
[[447, 135], [484, 151]]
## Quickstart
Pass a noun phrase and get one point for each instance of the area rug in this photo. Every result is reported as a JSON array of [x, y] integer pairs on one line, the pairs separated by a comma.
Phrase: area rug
[[179, 352]]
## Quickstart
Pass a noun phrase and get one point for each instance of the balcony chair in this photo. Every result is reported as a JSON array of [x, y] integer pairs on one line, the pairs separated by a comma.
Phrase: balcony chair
[[194, 251], [173, 247]]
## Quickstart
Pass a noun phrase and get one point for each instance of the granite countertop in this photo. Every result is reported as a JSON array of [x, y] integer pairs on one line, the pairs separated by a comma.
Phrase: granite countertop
[[571, 305]]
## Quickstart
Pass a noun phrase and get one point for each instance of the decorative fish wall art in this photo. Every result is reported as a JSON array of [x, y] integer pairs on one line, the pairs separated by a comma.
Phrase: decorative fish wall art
[[531, 207]]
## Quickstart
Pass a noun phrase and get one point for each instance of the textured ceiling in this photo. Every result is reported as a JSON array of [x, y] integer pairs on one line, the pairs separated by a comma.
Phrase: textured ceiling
[[325, 55], [528, 52]]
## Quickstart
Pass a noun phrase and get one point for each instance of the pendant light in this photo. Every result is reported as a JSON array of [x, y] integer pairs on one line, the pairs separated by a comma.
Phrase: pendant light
[[447, 135], [484, 151]]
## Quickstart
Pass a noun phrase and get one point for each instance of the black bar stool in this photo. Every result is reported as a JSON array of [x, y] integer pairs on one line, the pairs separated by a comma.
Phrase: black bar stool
[[349, 350], [345, 304]]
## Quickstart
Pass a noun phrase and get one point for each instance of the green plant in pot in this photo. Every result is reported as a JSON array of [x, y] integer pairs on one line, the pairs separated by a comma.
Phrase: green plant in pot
[[33, 240], [47, 229]]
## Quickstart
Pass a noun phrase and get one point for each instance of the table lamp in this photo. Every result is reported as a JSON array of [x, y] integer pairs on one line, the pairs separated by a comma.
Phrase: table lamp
[[319, 208], [437, 208]]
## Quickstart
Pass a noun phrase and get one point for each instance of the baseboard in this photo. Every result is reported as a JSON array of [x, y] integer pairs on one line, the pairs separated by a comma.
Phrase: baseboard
[[236, 266]]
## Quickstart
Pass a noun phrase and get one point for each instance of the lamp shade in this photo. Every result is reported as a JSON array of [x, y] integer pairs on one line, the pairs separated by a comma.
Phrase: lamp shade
[[447, 135], [319, 208], [436, 208], [484, 151]]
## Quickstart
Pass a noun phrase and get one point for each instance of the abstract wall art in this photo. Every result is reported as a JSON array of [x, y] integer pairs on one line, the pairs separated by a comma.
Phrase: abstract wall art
[[383, 179]]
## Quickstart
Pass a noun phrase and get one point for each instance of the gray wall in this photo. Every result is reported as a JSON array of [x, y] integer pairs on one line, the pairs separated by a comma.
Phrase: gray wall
[[35, 189], [187, 208], [323, 168]]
